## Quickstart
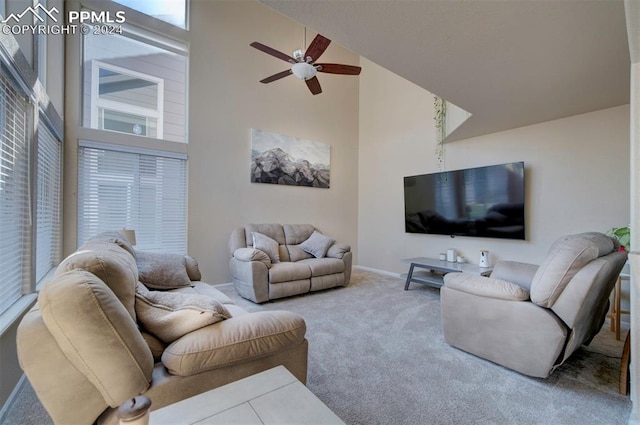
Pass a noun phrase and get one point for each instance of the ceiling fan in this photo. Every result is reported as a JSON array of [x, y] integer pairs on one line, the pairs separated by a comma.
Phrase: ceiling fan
[[304, 65]]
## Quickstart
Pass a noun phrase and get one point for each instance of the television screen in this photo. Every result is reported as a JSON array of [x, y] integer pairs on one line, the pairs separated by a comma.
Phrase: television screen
[[483, 201]]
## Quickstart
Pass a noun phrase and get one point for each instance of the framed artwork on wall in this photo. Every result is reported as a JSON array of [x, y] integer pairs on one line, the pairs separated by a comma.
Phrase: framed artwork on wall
[[280, 159]]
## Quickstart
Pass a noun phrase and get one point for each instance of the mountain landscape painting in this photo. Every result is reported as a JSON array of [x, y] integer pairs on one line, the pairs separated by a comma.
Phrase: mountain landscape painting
[[280, 159]]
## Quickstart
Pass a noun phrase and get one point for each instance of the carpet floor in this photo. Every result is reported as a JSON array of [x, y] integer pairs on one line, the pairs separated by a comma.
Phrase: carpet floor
[[377, 356]]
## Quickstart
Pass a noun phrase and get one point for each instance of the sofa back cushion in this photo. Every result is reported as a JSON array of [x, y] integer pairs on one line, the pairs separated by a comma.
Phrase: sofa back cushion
[[116, 238], [97, 334], [294, 235], [565, 258], [111, 264]]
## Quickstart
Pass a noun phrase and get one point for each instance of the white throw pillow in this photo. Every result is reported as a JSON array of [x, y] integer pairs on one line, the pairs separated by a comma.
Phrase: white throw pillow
[[267, 245], [317, 244]]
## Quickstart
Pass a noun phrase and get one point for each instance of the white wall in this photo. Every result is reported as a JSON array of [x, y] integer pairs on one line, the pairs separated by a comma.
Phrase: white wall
[[577, 174], [227, 100]]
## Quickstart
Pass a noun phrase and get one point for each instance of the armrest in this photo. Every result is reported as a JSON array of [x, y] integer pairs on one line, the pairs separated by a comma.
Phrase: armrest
[[485, 287], [193, 270], [513, 271], [251, 254], [337, 250], [235, 340]]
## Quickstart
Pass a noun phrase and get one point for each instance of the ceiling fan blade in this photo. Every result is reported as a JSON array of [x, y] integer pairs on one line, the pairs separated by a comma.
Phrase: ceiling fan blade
[[314, 85], [338, 68], [317, 47], [273, 52], [277, 76]]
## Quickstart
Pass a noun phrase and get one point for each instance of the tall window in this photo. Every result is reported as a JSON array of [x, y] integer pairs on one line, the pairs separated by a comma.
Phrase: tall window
[[135, 189], [15, 248], [48, 182], [135, 84]]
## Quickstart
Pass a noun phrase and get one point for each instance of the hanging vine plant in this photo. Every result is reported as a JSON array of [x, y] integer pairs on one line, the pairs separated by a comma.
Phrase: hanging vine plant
[[440, 118]]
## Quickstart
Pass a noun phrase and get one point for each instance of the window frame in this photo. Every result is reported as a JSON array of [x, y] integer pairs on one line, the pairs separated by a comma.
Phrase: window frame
[[96, 102]]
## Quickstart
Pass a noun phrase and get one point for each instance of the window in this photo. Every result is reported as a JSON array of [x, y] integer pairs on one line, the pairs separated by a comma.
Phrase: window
[[173, 12], [126, 101], [14, 193], [48, 217], [135, 84], [120, 187]]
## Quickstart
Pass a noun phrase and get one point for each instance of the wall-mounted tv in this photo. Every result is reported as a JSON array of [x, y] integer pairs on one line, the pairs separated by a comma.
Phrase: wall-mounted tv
[[483, 201]]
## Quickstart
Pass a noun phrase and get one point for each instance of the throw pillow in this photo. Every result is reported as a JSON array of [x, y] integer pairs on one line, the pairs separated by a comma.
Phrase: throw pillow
[[162, 270], [170, 315], [267, 245], [317, 244]]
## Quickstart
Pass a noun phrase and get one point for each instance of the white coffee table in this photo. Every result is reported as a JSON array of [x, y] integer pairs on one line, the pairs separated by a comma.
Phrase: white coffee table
[[273, 397]]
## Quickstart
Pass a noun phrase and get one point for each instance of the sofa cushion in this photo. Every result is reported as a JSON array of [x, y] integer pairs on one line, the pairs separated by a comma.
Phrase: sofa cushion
[[565, 258], [237, 340], [274, 231], [295, 234], [297, 254], [317, 244], [155, 345], [267, 245], [113, 265], [170, 315], [324, 266], [91, 326], [485, 287], [287, 271], [206, 289], [162, 270]]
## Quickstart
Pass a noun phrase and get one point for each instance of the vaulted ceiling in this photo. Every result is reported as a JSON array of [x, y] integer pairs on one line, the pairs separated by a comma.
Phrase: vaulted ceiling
[[510, 63]]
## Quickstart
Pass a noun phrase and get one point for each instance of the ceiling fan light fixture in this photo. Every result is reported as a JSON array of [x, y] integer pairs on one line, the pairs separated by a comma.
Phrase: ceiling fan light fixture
[[303, 70]]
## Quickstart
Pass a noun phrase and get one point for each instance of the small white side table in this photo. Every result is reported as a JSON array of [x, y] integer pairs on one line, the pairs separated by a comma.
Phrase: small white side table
[[274, 396], [436, 269]]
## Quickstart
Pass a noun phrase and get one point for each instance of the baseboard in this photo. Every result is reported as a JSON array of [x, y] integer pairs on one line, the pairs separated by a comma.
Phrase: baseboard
[[379, 271], [12, 397]]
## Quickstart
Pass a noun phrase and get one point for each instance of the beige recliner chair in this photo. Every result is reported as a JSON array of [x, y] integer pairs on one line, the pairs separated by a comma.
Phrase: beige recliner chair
[[532, 318], [96, 338]]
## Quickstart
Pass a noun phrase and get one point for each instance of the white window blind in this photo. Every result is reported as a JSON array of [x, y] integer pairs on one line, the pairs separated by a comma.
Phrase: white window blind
[[48, 181], [124, 189], [14, 194]]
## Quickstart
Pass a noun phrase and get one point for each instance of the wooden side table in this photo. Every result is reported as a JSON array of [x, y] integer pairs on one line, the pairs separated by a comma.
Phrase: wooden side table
[[616, 295]]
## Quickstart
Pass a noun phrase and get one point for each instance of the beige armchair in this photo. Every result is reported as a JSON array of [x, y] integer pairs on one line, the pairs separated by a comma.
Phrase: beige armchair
[[532, 318], [96, 337]]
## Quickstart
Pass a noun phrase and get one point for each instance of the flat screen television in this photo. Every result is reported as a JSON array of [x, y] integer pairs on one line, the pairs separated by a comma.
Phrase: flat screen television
[[483, 201]]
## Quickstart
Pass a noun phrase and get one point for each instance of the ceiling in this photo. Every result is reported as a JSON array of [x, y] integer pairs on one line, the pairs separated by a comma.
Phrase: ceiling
[[510, 63]]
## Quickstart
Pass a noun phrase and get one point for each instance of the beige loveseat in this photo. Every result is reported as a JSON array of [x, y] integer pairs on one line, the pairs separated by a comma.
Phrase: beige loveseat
[[270, 261], [87, 345], [532, 318]]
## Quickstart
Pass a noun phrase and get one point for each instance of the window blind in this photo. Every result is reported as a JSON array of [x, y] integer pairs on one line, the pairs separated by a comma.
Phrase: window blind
[[121, 189], [14, 193], [48, 181]]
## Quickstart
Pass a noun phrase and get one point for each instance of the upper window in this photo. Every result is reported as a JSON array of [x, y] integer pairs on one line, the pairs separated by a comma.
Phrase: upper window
[[171, 11], [135, 87], [126, 101]]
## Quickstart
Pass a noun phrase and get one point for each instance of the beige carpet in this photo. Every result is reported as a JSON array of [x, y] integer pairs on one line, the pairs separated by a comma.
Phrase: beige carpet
[[377, 356]]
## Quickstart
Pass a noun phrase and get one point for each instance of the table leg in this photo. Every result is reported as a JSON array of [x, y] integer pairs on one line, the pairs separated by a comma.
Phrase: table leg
[[406, 285], [623, 385], [618, 297]]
